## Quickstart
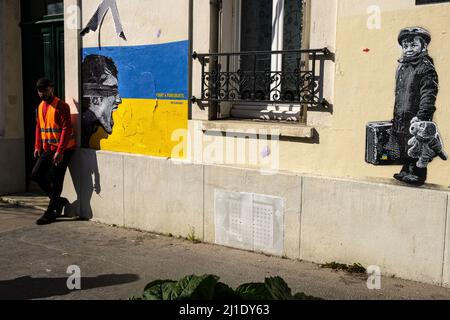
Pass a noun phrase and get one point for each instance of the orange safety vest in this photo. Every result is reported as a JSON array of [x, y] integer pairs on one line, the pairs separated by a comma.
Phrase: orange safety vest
[[50, 130]]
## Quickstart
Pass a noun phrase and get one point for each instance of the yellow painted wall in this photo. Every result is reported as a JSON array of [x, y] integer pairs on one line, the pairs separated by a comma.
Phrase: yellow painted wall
[[363, 85], [360, 85], [144, 127], [364, 88], [365, 82]]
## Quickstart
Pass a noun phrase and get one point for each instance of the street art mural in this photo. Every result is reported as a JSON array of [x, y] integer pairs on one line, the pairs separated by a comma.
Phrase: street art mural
[[99, 15], [411, 139], [134, 97], [100, 95]]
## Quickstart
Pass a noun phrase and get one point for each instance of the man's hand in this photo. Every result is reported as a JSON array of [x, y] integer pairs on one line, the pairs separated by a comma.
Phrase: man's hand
[[37, 153], [57, 159]]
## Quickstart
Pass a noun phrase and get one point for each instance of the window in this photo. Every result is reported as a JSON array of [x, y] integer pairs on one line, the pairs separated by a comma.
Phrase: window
[[262, 71], [418, 2], [271, 25], [39, 10], [268, 26], [54, 7]]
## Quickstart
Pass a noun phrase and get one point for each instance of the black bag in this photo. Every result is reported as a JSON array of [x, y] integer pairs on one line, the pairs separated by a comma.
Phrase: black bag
[[381, 146]]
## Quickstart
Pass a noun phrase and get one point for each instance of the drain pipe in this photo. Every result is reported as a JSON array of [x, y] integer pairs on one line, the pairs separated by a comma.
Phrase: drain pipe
[[191, 52], [215, 6]]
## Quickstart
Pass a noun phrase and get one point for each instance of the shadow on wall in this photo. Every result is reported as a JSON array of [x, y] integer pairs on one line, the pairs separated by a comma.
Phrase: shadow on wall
[[99, 136], [84, 172], [25, 288]]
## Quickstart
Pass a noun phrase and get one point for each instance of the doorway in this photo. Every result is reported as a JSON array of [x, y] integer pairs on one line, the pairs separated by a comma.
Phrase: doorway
[[43, 56]]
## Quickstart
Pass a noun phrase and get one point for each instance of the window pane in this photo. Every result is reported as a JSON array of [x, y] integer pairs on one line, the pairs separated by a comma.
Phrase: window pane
[[55, 7], [256, 32], [256, 35], [292, 24], [256, 28], [292, 30]]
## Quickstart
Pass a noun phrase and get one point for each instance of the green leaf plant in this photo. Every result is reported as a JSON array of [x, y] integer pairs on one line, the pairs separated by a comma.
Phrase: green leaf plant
[[208, 287]]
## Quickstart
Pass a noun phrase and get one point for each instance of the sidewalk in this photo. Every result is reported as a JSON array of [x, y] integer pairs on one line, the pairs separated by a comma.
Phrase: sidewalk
[[117, 263], [26, 200]]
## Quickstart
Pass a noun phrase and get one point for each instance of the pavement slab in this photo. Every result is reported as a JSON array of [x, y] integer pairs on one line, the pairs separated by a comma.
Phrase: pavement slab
[[117, 263]]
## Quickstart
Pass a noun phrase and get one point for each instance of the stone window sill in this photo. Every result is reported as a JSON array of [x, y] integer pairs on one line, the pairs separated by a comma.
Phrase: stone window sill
[[283, 129]]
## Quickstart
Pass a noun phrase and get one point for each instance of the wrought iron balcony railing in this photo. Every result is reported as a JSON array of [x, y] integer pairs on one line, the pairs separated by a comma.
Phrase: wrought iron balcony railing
[[249, 77]]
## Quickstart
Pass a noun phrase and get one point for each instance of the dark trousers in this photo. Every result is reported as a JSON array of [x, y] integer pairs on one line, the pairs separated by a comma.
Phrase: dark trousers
[[50, 178]]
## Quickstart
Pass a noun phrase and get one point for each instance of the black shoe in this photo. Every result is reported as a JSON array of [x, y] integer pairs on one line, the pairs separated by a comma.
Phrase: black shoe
[[47, 218], [400, 176], [60, 206], [413, 180], [417, 177], [407, 169]]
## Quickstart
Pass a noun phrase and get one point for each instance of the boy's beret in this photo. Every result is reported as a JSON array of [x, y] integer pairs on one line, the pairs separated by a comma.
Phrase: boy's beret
[[413, 32]]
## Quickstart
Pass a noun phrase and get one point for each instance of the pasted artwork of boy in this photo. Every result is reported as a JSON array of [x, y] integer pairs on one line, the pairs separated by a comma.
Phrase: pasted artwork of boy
[[415, 97]]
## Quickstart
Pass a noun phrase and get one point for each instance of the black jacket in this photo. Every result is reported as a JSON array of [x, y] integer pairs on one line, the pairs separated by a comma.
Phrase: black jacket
[[416, 90]]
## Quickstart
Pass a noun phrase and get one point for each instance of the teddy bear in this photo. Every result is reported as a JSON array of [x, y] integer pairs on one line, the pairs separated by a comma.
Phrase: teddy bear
[[426, 143]]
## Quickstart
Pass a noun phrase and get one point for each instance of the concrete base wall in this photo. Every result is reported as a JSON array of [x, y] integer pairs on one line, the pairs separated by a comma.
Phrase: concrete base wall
[[404, 231], [12, 166], [399, 229], [136, 192], [251, 181], [163, 196]]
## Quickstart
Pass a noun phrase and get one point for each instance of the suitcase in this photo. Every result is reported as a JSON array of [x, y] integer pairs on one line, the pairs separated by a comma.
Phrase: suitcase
[[381, 146]]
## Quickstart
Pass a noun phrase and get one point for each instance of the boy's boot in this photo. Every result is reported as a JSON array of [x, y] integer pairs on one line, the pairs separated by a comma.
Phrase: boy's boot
[[417, 177], [406, 169]]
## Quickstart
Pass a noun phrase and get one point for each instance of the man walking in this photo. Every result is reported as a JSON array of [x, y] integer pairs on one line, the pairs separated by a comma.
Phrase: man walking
[[55, 145]]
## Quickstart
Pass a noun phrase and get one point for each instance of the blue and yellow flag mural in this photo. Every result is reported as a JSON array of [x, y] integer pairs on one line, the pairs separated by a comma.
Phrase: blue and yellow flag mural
[[134, 97]]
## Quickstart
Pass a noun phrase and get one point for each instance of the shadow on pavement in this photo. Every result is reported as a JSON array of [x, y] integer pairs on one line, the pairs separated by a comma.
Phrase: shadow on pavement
[[25, 288]]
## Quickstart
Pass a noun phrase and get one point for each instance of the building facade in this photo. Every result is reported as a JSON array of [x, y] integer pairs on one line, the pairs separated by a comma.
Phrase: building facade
[[240, 121]]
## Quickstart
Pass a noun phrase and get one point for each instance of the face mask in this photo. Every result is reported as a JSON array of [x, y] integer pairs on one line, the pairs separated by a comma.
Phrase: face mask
[[47, 98]]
